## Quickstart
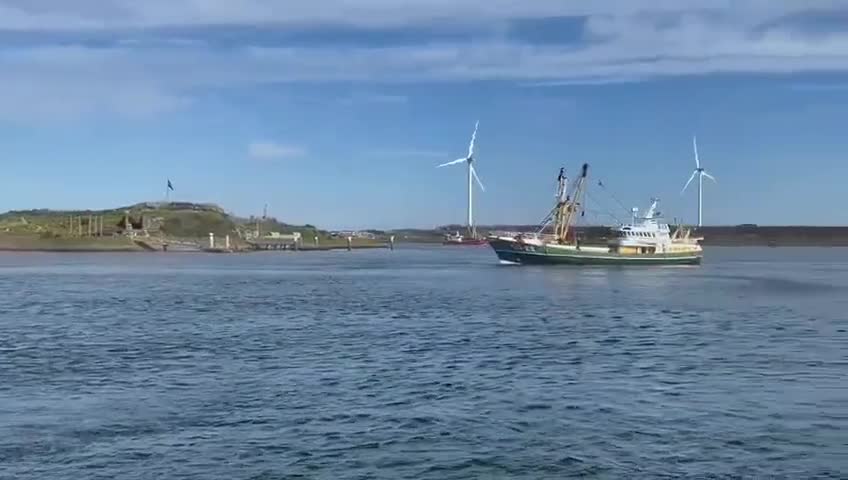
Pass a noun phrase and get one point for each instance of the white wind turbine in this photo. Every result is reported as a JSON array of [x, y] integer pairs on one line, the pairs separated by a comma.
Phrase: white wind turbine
[[700, 173], [469, 160]]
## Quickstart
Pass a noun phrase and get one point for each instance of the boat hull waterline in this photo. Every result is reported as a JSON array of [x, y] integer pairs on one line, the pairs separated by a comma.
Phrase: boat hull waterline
[[516, 252]]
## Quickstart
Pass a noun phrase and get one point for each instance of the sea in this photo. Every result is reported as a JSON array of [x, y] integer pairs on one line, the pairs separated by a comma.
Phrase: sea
[[422, 363]]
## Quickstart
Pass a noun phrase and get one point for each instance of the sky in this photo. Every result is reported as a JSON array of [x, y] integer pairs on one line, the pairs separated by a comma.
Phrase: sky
[[336, 113]]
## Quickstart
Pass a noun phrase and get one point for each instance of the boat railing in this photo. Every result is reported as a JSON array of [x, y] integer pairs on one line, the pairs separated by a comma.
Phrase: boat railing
[[526, 235]]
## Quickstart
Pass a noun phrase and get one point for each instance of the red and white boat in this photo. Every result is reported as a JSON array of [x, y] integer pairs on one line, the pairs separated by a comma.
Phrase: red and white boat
[[457, 239]]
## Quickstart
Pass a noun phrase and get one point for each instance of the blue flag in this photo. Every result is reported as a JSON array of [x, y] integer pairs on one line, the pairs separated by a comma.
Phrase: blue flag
[[170, 187]]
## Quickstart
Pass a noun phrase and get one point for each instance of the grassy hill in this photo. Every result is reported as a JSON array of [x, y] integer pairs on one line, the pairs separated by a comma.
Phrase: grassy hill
[[175, 220]]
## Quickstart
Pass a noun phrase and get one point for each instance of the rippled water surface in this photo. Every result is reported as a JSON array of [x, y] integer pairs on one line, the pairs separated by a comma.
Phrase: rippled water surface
[[430, 363]]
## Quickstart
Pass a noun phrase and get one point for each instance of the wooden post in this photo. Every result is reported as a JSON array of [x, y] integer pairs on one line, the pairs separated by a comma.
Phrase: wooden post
[[392, 242], [79, 225], [349, 244]]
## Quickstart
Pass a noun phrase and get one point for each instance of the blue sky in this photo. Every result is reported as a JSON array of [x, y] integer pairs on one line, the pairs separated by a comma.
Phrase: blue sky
[[336, 112]]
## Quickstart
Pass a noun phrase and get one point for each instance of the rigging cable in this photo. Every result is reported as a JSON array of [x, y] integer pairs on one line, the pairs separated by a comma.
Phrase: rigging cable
[[601, 184], [607, 211]]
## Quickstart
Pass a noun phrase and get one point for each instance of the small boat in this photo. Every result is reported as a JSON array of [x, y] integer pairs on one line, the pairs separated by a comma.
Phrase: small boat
[[457, 239], [645, 241]]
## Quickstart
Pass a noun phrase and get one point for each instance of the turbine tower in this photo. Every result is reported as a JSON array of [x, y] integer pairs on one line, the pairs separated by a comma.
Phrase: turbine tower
[[700, 173], [472, 176]]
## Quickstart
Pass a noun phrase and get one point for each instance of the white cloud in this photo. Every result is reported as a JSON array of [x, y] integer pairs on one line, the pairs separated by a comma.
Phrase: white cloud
[[266, 150], [623, 41], [116, 14], [632, 54]]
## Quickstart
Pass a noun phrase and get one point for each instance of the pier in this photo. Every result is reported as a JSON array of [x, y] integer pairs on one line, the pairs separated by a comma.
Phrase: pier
[[265, 244], [271, 243]]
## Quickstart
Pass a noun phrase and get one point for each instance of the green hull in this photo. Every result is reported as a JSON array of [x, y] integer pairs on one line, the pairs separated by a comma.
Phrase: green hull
[[517, 253]]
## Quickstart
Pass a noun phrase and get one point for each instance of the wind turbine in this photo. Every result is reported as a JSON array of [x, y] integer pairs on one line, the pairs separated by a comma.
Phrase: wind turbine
[[700, 173], [469, 160]]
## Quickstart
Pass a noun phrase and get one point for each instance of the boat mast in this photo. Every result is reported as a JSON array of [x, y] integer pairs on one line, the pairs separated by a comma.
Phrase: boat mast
[[568, 206]]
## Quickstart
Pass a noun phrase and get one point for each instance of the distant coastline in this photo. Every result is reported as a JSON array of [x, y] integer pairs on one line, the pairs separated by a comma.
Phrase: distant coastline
[[32, 243], [186, 227], [167, 226]]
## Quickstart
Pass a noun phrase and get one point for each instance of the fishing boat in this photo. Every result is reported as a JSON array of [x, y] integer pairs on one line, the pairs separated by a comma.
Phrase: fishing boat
[[644, 241]]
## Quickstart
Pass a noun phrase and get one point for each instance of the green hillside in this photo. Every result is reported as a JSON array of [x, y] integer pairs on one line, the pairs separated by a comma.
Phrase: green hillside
[[179, 220]]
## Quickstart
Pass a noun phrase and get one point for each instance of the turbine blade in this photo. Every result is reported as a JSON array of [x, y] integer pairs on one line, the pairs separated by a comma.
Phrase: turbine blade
[[690, 181], [709, 176], [474, 174], [458, 160], [695, 147], [473, 137]]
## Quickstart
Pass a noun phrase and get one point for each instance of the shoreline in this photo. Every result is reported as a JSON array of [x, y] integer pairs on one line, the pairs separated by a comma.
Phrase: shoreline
[[22, 249], [92, 247]]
